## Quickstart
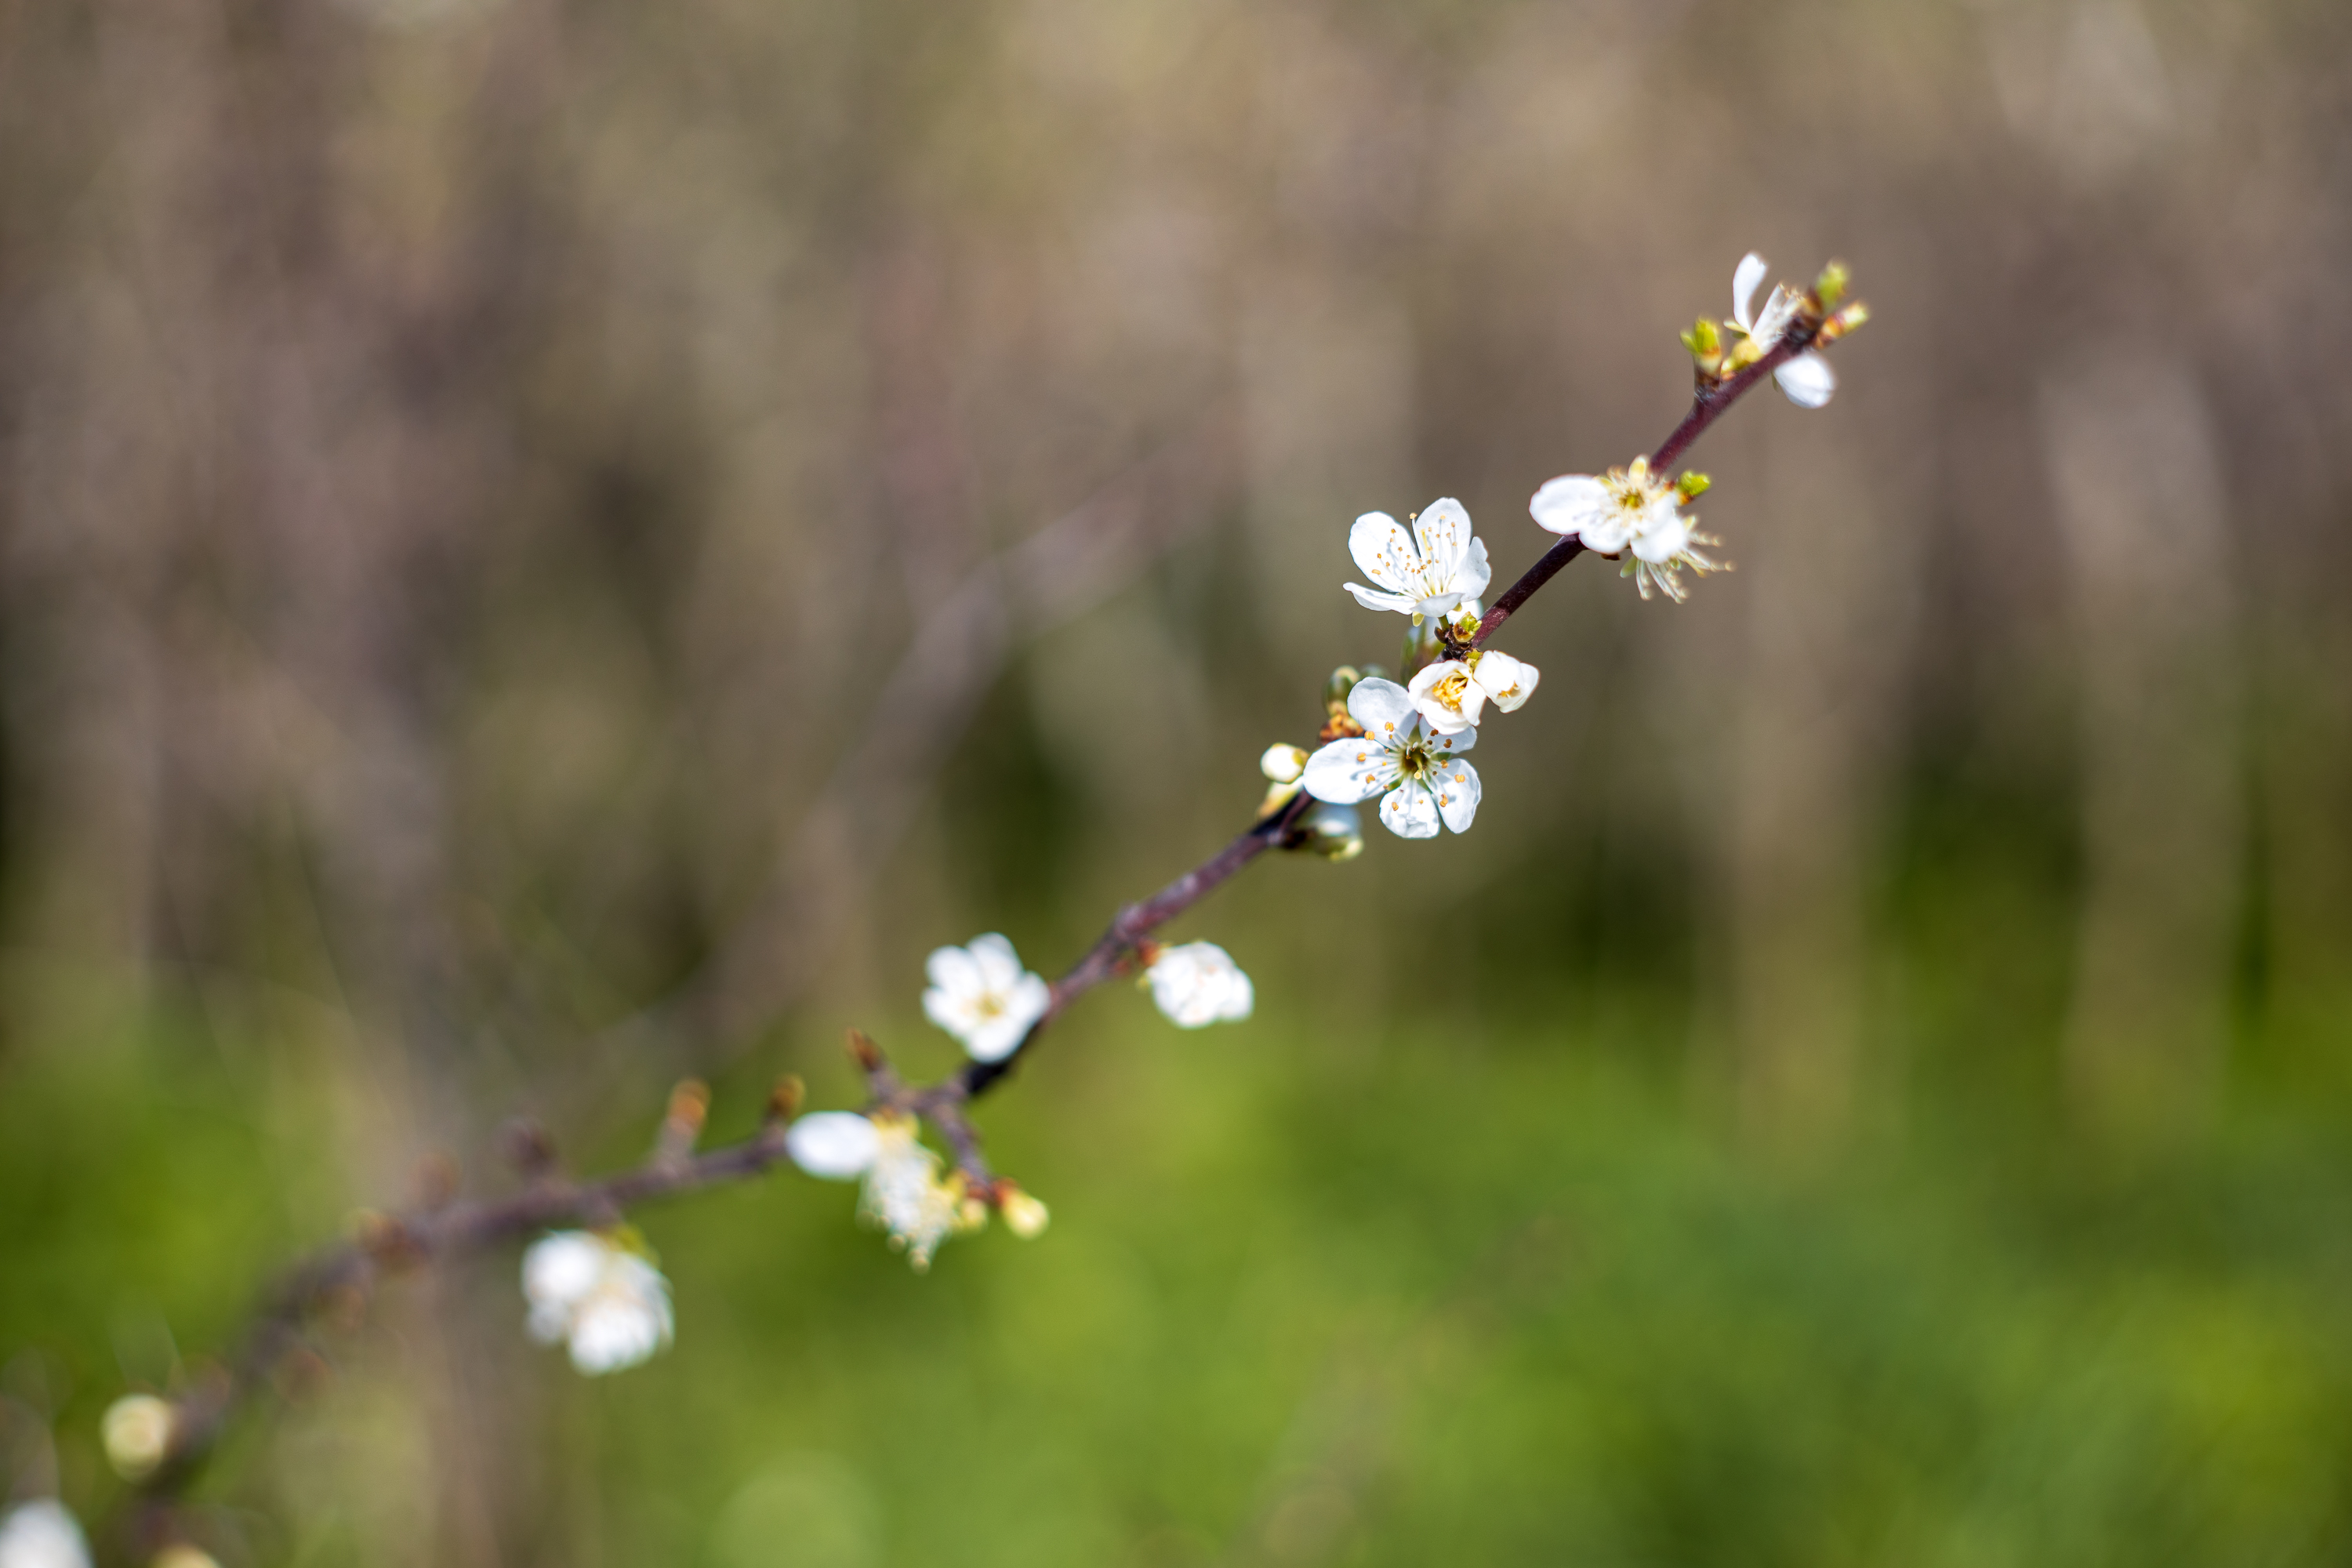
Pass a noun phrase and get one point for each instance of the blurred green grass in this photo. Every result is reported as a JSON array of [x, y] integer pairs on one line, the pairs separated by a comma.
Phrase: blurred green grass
[[1408, 1293]]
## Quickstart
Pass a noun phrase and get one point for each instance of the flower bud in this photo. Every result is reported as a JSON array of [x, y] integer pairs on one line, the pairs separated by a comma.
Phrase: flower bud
[[1335, 690], [180, 1554], [1830, 288], [1690, 486], [1283, 763], [1334, 832], [1024, 1217], [137, 1431]]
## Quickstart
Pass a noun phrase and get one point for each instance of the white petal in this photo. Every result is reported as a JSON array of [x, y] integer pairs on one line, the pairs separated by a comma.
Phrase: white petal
[[1237, 997], [999, 965], [951, 1011], [619, 1330], [1443, 534], [1454, 743], [562, 1268], [1509, 681], [1457, 783], [1382, 709], [1807, 379], [954, 972], [1373, 599], [1663, 542], [836, 1145], [1386, 553], [1408, 811], [1570, 504], [1028, 999], [1744, 282], [992, 1039], [1350, 769], [1474, 574]]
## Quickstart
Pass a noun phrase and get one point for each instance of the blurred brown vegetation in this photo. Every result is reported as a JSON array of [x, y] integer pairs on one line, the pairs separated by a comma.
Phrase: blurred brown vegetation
[[474, 470]]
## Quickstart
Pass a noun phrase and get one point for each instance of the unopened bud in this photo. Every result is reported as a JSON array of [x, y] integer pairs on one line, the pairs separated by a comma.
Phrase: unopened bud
[[1024, 1216], [1335, 690], [137, 1431], [1706, 345], [1690, 486], [1334, 832], [1830, 288], [1283, 763], [689, 1105], [1841, 323], [971, 1212], [785, 1100]]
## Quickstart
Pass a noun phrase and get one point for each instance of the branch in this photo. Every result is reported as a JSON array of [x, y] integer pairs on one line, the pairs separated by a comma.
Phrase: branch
[[345, 1275]]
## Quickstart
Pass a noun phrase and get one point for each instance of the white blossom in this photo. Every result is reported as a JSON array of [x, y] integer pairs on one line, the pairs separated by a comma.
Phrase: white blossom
[[1607, 511], [1806, 378], [905, 1195], [1425, 572], [1450, 694], [837, 1145], [1197, 984], [1418, 773], [983, 996], [1628, 511], [608, 1302], [42, 1534]]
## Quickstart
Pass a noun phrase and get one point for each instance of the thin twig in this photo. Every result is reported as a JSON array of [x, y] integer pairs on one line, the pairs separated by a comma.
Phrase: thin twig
[[348, 1273]]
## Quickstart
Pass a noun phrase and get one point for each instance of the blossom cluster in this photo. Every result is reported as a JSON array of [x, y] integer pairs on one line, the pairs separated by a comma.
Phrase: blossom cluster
[[600, 1292]]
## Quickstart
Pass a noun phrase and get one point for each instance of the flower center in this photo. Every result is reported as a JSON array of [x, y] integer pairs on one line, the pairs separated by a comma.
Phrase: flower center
[[990, 1005], [1449, 690]]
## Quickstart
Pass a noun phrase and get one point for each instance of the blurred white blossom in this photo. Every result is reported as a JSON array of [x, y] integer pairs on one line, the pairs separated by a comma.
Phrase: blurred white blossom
[[605, 1300], [1197, 984], [906, 1195], [1450, 694], [983, 996], [837, 1145], [1425, 572], [136, 1431], [1417, 775], [42, 1534], [1806, 378]]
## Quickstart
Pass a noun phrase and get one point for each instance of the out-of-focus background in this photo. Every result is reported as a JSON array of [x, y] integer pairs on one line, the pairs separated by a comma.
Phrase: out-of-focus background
[[550, 545]]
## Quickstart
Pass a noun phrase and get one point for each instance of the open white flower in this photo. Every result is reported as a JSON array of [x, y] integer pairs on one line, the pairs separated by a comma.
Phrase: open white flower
[[1425, 572], [905, 1195], [983, 996], [836, 1145], [1451, 694], [1807, 378], [1628, 511], [42, 1534], [1607, 511], [1418, 773], [1198, 984], [608, 1302]]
